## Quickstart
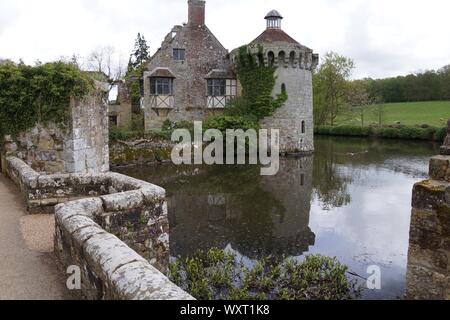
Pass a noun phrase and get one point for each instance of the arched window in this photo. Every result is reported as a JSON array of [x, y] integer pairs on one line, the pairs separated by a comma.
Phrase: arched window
[[303, 127], [281, 58], [283, 88], [271, 57], [292, 58], [260, 59]]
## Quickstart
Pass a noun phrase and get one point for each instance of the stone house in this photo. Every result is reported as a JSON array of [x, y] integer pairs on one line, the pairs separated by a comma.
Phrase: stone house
[[191, 78]]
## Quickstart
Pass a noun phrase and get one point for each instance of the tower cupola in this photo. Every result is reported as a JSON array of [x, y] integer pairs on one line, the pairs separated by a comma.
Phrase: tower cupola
[[274, 20]]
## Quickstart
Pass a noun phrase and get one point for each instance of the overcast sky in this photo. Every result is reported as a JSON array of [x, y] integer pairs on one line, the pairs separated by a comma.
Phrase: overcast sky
[[384, 37]]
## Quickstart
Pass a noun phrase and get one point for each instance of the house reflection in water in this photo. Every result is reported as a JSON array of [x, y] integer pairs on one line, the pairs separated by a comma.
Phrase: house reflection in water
[[258, 216]]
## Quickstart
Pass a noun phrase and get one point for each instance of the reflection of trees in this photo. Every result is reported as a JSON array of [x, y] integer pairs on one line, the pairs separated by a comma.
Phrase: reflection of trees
[[330, 185], [339, 162]]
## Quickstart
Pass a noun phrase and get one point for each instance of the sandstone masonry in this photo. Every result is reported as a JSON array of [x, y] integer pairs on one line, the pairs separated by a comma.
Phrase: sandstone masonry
[[429, 254]]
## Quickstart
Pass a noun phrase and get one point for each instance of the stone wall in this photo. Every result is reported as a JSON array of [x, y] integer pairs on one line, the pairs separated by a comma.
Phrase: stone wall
[[428, 274], [138, 152], [112, 268], [78, 146]]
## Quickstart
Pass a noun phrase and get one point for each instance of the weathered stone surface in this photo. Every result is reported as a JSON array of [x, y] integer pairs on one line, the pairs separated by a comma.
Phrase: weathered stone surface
[[440, 168], [122, 201], [140, 281], [428, 275], [429, 194], [106, 253], [78, 222]]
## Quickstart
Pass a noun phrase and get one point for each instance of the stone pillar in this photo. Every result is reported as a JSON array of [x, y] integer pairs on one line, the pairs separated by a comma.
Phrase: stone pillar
[[86, 147], [428, 275]]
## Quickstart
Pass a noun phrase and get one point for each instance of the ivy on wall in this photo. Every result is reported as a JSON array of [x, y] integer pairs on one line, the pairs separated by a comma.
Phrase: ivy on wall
[[256, 102], [38, 94]]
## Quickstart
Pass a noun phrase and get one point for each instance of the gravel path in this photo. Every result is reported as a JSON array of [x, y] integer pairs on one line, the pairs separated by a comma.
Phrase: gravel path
[[27, 267]]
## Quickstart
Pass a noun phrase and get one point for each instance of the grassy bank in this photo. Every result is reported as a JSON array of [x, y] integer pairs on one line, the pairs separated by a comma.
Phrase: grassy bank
[[433, 113], [386, 132]]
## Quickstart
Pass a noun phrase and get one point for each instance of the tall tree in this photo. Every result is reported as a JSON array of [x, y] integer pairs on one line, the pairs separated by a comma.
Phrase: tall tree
[[141, 53], [330, 86]]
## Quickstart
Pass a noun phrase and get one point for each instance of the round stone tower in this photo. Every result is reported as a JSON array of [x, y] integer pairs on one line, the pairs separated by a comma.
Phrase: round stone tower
[[294, 64]]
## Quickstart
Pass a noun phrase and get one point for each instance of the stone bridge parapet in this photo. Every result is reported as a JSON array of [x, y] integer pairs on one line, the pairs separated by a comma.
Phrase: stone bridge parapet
[[114, 228]]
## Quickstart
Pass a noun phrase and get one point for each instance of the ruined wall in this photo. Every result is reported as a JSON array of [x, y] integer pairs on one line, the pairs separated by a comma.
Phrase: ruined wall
[[87, 148], [428, 274], [134, 210], [203, 54], [78, 146], [122, 108]]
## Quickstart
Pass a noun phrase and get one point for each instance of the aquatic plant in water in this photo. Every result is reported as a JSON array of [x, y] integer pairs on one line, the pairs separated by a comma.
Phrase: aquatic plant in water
[[219, 275]]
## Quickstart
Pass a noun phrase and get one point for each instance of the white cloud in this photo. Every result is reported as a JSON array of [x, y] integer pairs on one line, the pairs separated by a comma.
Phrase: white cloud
[[385, 37]]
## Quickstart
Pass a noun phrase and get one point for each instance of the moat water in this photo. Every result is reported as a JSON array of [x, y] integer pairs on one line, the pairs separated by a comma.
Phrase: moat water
[[350, 200]]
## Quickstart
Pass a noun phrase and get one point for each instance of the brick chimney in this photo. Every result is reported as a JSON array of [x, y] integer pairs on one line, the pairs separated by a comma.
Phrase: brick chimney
[[196, 12]]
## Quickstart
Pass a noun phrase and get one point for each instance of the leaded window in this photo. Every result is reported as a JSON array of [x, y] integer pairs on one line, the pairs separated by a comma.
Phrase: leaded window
[[161, 86], [179, 54]]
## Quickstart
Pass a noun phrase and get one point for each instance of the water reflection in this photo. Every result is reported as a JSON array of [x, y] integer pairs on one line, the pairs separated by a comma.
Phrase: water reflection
[[351, 200], [258, 216]]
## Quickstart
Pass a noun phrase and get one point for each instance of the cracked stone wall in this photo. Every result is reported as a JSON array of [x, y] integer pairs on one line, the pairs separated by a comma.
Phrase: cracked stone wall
[[79, 146], [428, 275]]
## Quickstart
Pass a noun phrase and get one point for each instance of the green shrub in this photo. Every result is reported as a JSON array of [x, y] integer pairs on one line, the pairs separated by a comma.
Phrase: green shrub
[[387, 132], [356, 131], [223, 123], [38, 94], [440, 134]]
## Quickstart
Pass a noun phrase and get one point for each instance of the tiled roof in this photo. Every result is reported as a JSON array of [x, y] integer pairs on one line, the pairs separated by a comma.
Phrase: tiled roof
[[274, 35], [162, 73]]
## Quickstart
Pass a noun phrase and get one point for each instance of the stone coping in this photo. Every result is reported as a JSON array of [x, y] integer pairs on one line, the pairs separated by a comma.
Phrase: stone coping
[[110, 269]]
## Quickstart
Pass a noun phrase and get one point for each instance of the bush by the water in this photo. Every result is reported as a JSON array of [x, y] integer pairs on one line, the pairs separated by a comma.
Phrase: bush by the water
[[388, 132], [219, 275]]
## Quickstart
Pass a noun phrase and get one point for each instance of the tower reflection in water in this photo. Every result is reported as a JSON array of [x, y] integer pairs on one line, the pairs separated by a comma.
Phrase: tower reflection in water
[[235, 206]]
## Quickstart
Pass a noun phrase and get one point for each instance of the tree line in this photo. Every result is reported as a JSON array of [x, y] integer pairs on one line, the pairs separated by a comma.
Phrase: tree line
[[334, 91], [429, 85]]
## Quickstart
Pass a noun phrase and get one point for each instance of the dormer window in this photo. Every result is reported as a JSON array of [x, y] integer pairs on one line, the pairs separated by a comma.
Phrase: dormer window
[[179, 54]]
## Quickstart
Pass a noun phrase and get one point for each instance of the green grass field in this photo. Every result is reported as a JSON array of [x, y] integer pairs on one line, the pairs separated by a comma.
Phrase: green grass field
[[435, 113]]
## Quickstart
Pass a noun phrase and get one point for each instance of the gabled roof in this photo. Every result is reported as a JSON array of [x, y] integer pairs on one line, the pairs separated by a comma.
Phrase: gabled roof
[[274, 35]]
